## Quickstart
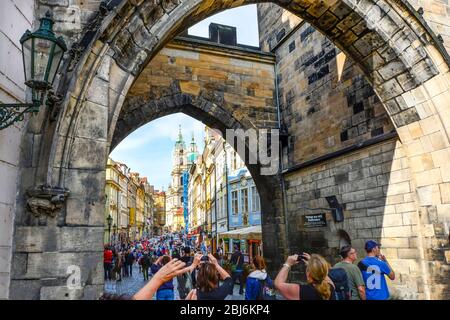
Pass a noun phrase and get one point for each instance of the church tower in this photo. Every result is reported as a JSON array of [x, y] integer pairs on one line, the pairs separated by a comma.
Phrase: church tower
[[192, 154], [174, 202]]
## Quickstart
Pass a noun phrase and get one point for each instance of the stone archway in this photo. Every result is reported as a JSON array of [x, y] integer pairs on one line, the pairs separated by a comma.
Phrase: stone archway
[[398, 54]]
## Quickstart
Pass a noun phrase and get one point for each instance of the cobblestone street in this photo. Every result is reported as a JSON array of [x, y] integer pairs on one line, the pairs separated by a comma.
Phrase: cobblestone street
[[130, 285]]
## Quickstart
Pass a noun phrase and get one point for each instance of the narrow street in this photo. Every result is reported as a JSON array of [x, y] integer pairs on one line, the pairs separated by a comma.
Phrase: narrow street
[[130, 285]]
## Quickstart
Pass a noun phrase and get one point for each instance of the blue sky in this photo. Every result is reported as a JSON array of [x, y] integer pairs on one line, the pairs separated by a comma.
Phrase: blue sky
[[244, 18], [148, 150]]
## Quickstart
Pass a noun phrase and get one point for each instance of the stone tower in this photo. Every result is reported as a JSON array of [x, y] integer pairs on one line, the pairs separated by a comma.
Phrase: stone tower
[[193, 151], [174, 200]]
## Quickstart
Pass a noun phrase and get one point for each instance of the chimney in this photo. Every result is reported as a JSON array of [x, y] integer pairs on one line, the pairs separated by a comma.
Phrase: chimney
[[222, 34]]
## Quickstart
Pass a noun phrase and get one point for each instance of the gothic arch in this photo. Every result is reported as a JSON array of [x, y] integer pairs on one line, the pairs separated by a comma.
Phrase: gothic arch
[[211, 114], [397, 52]]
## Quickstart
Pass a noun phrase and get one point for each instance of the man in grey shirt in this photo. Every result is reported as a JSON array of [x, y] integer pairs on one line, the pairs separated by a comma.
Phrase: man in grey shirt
[[355, 279]]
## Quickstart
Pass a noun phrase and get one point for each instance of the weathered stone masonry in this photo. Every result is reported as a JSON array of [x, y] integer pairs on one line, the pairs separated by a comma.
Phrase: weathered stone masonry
[[396, 52], [328, 106]]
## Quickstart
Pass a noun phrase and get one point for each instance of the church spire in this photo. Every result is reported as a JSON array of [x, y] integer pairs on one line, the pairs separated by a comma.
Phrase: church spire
[[180, 141]]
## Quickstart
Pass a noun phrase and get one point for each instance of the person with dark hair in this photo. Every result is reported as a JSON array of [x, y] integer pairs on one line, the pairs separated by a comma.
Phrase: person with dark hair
[[373, 268], [107, 262], [129, 261], [145, 263], [165, 291], [355, 280], [237, 270], [208, 276]]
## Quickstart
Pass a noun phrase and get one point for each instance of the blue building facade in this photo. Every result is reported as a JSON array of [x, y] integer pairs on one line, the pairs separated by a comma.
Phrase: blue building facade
[[243, 201]]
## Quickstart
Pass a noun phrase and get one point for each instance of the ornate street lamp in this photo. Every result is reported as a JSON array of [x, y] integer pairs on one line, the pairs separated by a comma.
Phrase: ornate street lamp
[[42, 54], [109, 221]]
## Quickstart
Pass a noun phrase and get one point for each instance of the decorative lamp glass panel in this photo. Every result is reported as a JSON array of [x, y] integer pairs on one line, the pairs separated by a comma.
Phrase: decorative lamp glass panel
[[42, 53], [27, 48], [56, 61]]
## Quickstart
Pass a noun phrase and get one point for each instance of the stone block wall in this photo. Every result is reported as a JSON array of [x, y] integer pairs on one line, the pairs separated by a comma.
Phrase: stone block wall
[[437, 15], [380, 199], [15, 17], [239, 81], [272, 31], [373, 185], [324, 98]]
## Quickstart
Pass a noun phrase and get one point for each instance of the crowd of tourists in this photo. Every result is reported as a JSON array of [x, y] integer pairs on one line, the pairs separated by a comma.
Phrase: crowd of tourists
[[201, 276]]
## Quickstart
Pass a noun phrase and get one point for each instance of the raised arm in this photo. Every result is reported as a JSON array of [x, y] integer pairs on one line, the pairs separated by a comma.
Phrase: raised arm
[[172, 269], [223, 274], [290, 291]]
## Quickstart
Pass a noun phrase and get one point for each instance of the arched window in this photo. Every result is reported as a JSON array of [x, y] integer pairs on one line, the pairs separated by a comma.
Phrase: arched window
[[344, 239]]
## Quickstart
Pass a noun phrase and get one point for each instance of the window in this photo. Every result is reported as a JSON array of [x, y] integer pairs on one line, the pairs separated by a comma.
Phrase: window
[[181, 180], [244, 200], [234, 202], [219, 207], [256, 206]]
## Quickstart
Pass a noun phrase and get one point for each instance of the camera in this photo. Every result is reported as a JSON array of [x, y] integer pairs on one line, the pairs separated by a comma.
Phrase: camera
[[300, 257], [204, 259]]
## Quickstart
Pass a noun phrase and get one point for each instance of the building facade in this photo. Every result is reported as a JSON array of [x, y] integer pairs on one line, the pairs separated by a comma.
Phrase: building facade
[[159, 212], [182, 158], [222, 194]]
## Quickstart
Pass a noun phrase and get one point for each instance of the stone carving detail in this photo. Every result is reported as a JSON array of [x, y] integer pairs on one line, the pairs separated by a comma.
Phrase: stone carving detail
[[75, 54], [96, 22], [46, 200], [54, 104], [89, 32]]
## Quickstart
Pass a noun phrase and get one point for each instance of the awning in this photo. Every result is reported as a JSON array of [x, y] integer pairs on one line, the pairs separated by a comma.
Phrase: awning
[[244, 233]]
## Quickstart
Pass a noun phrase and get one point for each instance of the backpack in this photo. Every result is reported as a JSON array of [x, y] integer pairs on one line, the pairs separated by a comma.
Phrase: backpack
[[266, 292], [340, 280]]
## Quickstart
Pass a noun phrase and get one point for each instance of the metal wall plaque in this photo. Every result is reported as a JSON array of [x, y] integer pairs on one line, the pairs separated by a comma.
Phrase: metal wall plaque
[[314, 220]]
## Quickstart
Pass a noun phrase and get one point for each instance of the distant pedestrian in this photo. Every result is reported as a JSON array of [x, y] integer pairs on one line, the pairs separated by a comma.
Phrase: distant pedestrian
[[107, 262], [129, 261], [145, 265], [237, 270]]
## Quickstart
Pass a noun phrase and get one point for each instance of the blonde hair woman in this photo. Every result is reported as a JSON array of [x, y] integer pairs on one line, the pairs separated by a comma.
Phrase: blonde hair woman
[[319, 286]]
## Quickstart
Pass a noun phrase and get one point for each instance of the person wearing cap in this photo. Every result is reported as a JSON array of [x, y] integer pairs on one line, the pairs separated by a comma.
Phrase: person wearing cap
[[374, 267]]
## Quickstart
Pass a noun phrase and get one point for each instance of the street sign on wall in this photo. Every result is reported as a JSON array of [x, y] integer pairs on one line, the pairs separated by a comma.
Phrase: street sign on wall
[[314, 220]]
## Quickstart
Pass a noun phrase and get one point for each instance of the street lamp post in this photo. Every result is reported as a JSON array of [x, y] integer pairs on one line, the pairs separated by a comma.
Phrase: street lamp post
[[42, 53], [109, 221], [115, 234]]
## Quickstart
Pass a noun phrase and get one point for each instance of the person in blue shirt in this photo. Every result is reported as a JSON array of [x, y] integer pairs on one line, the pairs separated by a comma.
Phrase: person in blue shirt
[[374, 267]]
